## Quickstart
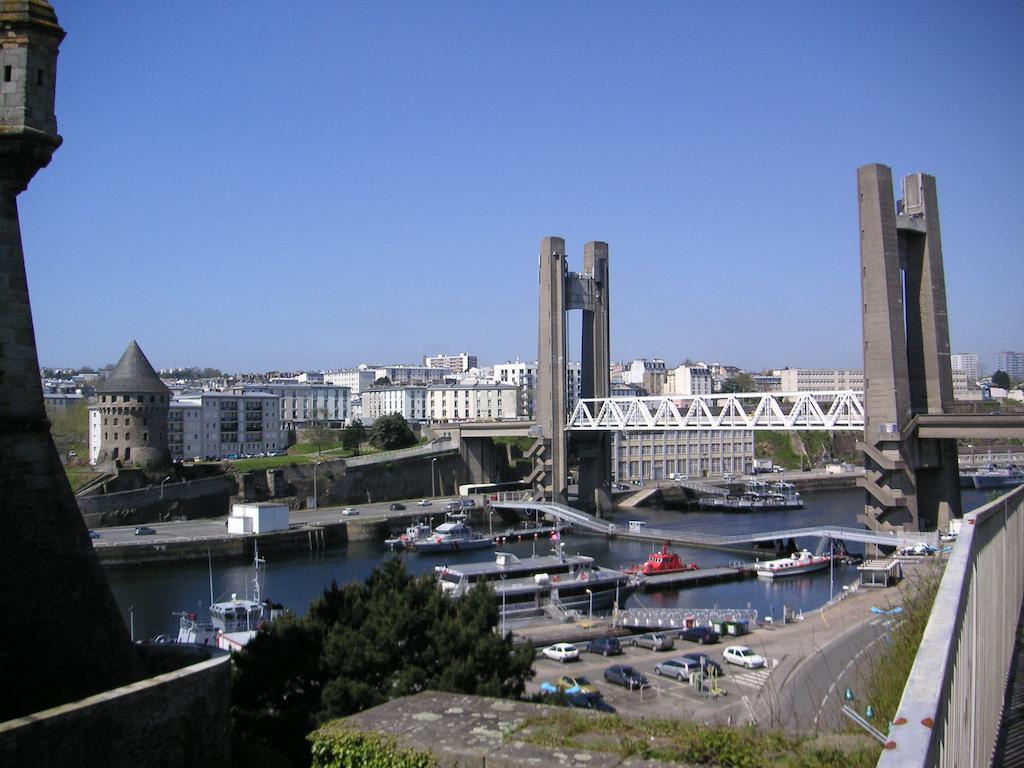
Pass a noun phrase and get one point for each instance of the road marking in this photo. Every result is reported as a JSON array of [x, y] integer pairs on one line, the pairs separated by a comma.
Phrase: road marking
[[755, 678]]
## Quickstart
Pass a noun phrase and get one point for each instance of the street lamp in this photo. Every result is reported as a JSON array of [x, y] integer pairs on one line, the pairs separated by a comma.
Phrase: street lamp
[[590, 612], [316, 463], [433, 462], [503, 606]]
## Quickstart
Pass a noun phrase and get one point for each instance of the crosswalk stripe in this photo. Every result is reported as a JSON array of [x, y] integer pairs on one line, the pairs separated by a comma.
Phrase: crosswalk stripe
[[754, 678]]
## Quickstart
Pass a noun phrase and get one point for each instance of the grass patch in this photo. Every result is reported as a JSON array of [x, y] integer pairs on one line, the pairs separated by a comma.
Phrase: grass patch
[[675, 741], [79, 476], [778, 447], [889, 673]]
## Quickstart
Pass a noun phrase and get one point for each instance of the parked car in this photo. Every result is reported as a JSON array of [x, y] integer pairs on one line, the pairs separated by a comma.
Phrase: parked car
[[278, 453], [143, 530], [680, 668], [606, 646], [561, 652], [743, 657], [702, 635], [468, 503], [626, 676], [728, 476], [93, 534], [919, 549], [571, 684], [656, 641], [232, 457], [396, 506], [577, 699], [423, 503], [349, 512], [710, 665]]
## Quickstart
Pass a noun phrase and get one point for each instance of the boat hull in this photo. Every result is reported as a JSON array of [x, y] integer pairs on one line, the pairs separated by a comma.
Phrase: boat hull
[[795, 570], [452, 545], [985, 482]]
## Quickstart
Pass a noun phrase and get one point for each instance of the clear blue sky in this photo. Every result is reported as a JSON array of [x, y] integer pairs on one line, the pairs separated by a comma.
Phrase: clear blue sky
[[266, 185]]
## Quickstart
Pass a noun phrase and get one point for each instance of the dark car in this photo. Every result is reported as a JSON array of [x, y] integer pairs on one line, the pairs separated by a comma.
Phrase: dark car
[[626, 676], [606, 646], [702, 635], [396, 506], [143, 530], [93, 534], [708, 664]]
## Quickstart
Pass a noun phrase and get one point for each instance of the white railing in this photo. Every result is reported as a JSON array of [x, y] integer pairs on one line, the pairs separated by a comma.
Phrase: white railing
[[828, 410], [951, 707]]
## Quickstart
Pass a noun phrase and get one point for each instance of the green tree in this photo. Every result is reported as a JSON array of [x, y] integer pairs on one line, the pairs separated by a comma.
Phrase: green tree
[[318, 432], [362, 644], [383, 381], [70, 428], [391, 432], [353, 436], [1001, 379], [742, 382]]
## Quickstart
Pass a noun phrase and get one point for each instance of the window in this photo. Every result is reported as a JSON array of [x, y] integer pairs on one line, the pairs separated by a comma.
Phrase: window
[[145, 437], [127, 422], [39, 77], [7, 73], [127, 435]]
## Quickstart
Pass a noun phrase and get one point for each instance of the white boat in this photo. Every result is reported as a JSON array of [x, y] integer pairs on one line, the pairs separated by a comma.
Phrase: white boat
[[794, 565], [758, 496], [231, 624], [452, 536], [993, 476], [413, 534], [530, 584]]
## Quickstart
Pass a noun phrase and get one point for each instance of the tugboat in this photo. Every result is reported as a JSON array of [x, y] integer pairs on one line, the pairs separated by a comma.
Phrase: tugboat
[[662, 561]]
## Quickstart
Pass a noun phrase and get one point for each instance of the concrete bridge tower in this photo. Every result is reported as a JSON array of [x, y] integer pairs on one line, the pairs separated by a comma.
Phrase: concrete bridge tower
[[560, 291], [909, 481], [63, 636]]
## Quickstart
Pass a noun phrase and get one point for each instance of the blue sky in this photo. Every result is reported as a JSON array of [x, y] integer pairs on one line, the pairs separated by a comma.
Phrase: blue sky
[[265, 185]]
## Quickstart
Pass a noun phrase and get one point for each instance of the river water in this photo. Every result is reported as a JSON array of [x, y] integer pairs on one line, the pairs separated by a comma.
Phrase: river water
[[149, 596]]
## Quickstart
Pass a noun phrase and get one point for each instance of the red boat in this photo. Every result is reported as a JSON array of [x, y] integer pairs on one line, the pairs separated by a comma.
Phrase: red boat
[[662, 562]]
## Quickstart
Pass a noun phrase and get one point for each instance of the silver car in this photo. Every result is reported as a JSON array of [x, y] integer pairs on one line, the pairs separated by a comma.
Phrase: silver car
[[656, 641], [679, 668]]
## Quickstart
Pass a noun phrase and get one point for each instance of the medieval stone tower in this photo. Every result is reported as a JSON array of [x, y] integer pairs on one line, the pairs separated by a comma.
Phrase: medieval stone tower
[[133, 406], [64, 637]]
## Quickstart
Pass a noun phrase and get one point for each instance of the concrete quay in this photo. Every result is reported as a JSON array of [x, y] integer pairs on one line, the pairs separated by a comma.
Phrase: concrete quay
[[688, 579]]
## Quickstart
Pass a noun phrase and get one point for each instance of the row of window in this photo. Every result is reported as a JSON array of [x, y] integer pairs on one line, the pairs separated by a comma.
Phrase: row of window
[[138, 398]]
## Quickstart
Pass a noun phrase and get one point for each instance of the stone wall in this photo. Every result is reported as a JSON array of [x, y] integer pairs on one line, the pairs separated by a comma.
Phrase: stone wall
[[180, 717], [206, 497]]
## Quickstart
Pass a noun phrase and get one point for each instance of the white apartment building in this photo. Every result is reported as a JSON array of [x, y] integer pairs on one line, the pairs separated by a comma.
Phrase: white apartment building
[[654, 455], [649, 374], [820, 379], [524, 377], [455, 363], [409, 400], [480, 401], [356, 379], [966, 362], [1012, 363], [301, 403], [688, 380]]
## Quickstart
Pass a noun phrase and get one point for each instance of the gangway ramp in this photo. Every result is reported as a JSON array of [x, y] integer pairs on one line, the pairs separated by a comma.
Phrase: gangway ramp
[[583, 521]]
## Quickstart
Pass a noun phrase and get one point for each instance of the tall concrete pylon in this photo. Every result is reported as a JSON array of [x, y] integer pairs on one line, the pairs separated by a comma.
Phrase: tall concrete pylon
[[909, 481], [559, 292], [63, 636]]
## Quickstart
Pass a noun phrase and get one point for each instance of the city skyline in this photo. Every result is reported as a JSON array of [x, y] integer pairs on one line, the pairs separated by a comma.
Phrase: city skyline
[[259, 199]]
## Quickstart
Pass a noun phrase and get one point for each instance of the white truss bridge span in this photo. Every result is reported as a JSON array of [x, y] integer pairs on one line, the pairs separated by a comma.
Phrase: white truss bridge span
[[839, 410], [582, 521]]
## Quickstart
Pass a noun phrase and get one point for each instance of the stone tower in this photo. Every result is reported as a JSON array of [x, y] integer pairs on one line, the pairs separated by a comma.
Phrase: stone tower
[[133, 407], [560, 291], [64, 637], [909, 481]]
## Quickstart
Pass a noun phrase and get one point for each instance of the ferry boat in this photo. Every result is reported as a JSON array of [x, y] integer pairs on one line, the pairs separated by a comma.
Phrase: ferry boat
[[527, 586], [993, 476], [798, 563], [662, 561], [414, 533], [452, 536], [231, 623], [758, 496]]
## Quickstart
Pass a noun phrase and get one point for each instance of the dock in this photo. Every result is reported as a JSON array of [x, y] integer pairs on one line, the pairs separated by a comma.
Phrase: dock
[[687, 579]]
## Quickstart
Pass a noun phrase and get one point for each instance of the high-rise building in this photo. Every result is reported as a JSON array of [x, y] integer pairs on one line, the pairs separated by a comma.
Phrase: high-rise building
[[457, 363], [1012, 363], [966, 362]]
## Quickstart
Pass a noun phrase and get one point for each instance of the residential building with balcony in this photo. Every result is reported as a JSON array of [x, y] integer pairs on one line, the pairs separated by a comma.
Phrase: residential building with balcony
[[409, 400], [688, 380], [301, 404], [479, 401], [456, 363], [966, 362], [356, 379]]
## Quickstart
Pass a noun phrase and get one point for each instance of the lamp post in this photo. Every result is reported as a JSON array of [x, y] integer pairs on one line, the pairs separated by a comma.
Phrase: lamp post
[[503, 606], [433, 463], [162, 485], [316, 463], [590, 611]]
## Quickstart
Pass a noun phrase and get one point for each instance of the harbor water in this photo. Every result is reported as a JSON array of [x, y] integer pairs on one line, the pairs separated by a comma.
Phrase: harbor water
[[149, 596]]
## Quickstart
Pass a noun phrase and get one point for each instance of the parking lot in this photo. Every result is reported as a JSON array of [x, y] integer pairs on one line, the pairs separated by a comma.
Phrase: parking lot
[[666, 696]]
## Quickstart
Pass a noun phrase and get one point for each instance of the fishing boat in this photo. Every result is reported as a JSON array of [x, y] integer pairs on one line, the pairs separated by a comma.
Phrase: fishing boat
[[794, 565], [452, 536], [531, 584], [661, 561]]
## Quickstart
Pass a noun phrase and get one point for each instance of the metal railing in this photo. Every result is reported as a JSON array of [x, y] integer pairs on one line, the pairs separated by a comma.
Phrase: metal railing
[[951, 707]]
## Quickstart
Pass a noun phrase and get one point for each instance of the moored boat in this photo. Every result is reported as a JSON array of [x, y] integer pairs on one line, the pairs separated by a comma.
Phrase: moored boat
[[757, 496], [414, 533], [452, 536], [794, 565], [997, 477], [662, 561]]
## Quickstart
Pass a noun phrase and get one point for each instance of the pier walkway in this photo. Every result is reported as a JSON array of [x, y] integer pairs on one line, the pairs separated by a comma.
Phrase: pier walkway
[[582, 521]]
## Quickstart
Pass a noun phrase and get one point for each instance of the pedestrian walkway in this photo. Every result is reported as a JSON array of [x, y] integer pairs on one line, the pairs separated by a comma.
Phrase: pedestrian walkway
[[755, 678]]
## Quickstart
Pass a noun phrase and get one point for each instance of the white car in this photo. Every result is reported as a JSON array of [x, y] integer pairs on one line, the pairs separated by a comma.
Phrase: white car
[[423, 503], [562, 652], [743, 656], [349, 512]]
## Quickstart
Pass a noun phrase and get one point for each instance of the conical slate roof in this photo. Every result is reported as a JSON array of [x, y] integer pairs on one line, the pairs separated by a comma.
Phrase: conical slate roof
[[133, 373]]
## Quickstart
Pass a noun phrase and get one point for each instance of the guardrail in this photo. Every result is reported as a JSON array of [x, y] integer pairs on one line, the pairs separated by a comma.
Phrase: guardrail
[[951, 707]]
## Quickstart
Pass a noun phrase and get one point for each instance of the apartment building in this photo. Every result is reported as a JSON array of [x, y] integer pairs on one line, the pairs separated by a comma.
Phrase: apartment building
[[302, 403], [688, 380], [654, 455], [455, 363], [479, 401], [407, 374], [356, 379], [409, 400], [1012, 363], [820, 379], [967, 362]]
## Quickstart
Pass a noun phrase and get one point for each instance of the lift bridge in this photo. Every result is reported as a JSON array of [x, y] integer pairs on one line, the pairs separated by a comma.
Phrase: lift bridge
[[838, 410]]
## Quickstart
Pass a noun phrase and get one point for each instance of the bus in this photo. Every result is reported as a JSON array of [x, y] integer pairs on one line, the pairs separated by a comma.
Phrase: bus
[[488, 488]]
